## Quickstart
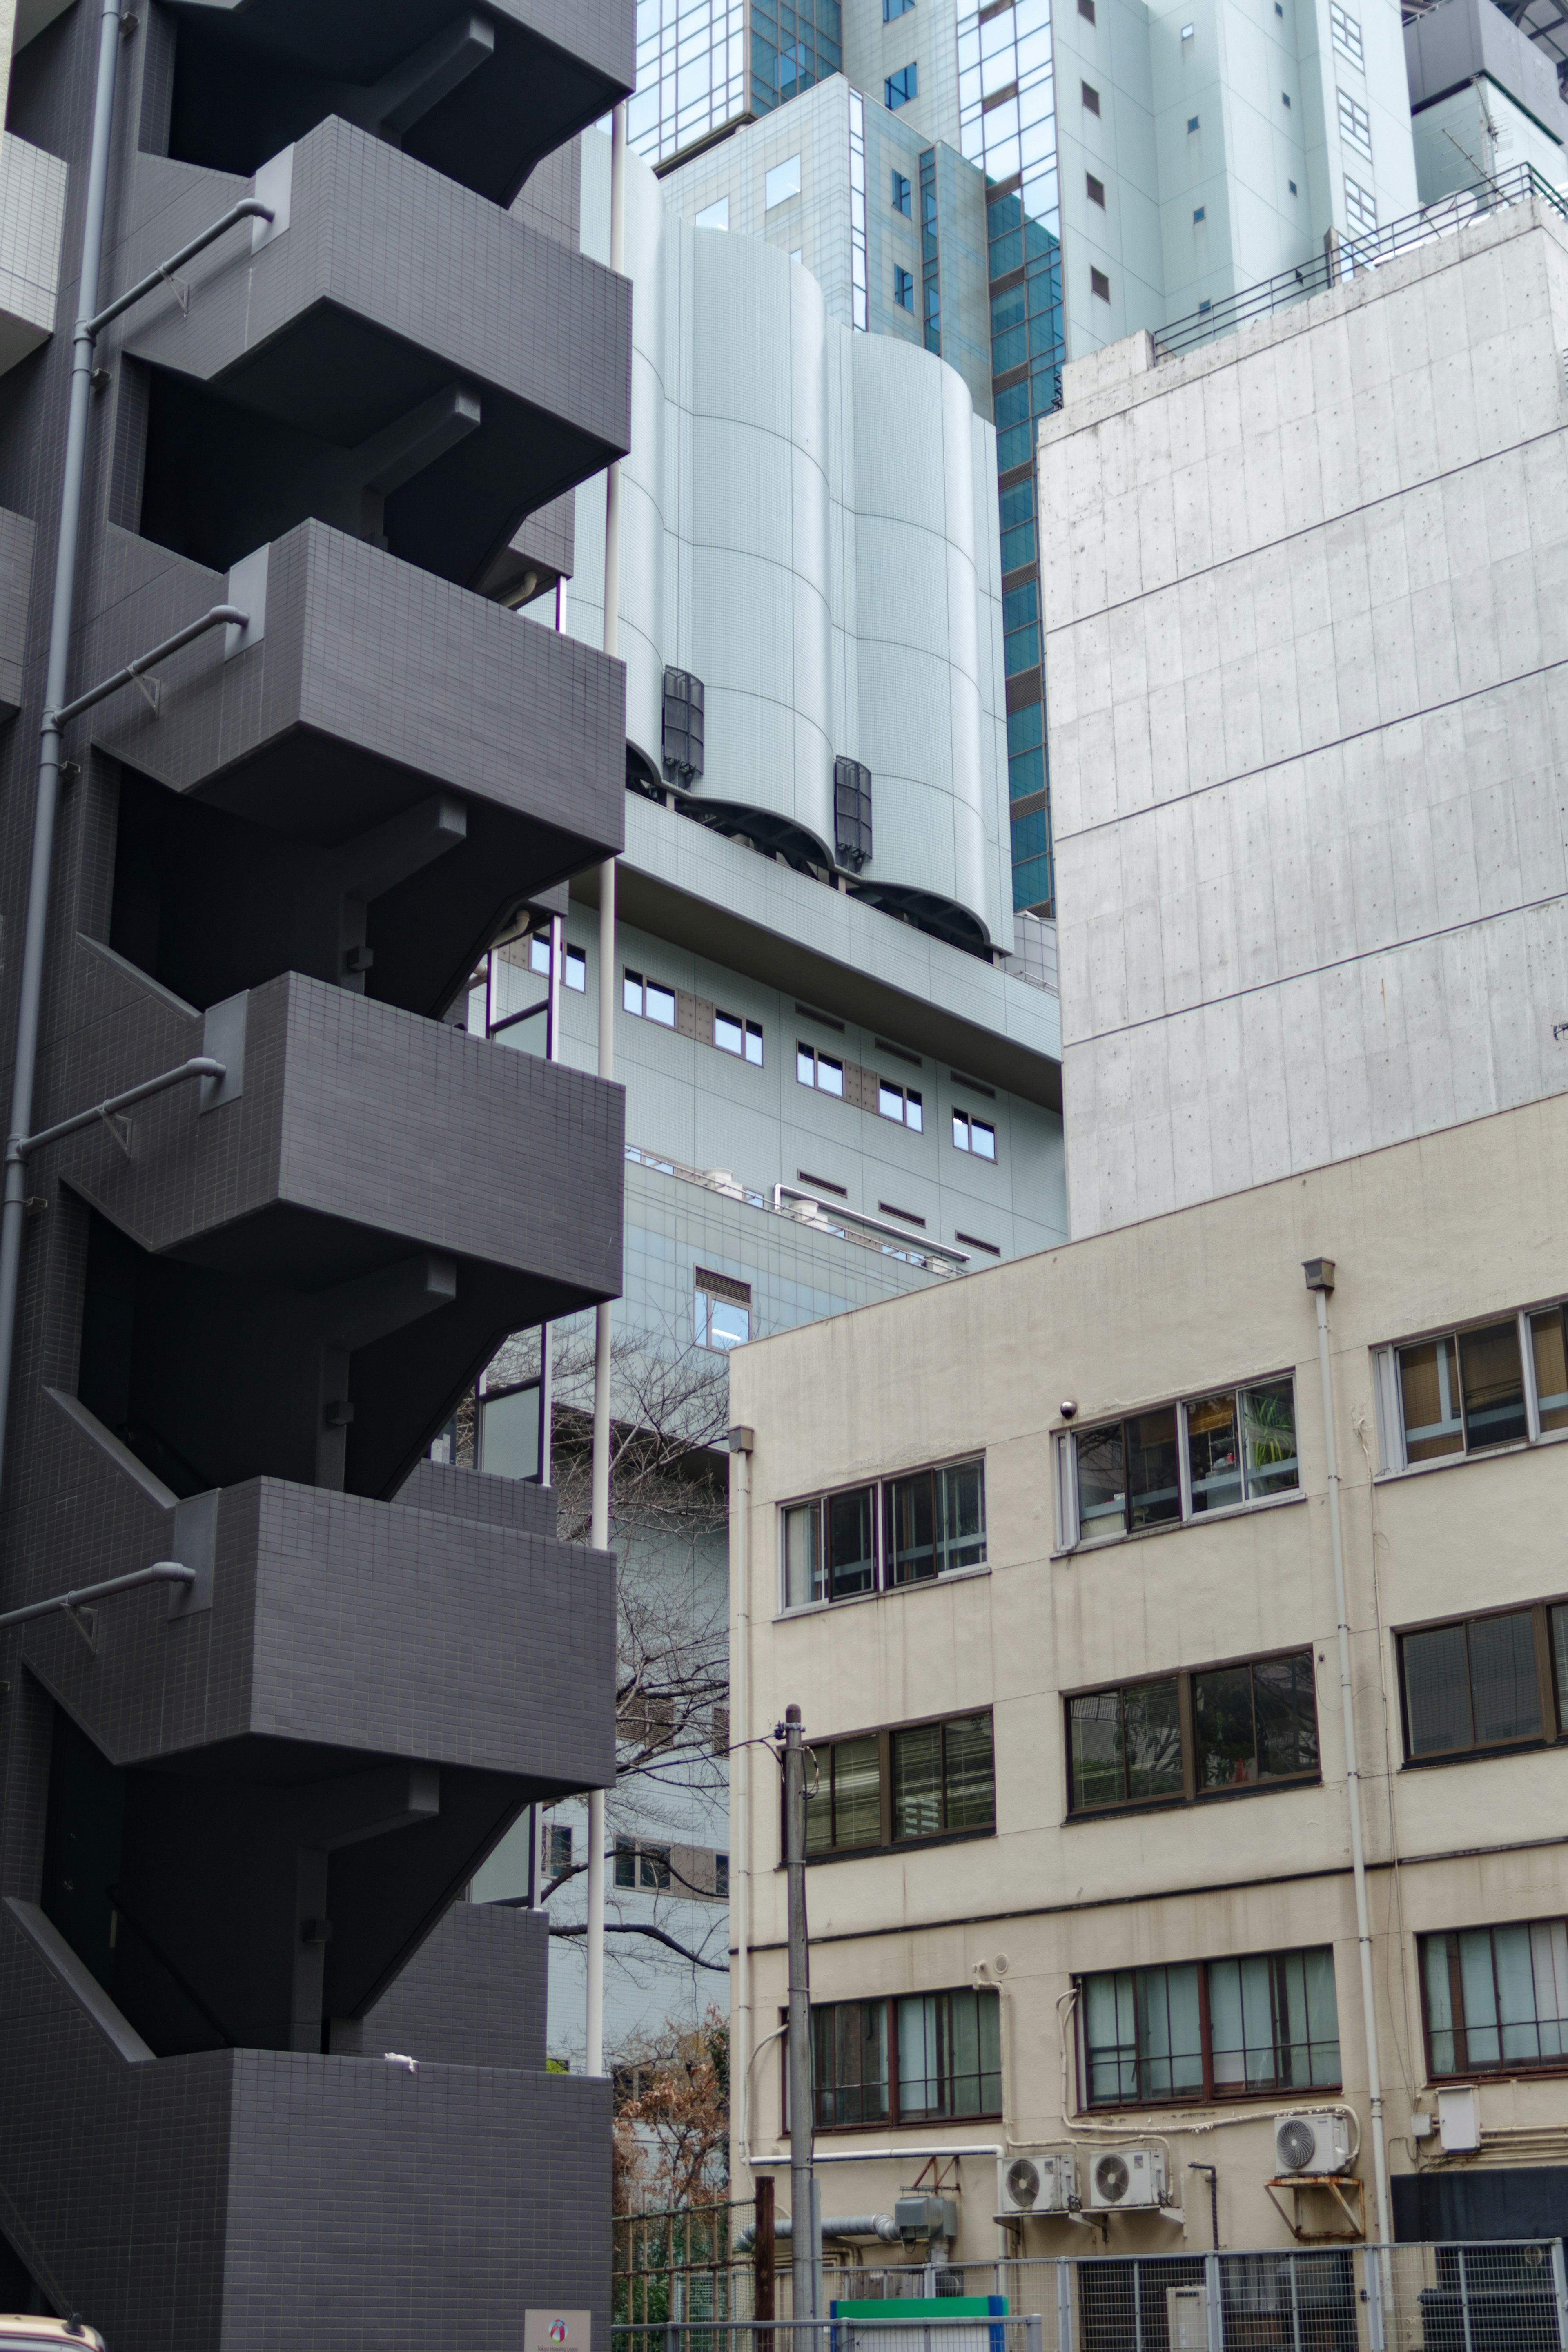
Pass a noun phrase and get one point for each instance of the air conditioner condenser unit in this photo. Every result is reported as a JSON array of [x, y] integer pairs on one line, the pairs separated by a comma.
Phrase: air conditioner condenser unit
[[1309, 2145], [1035, 2181], [1127, 2179]]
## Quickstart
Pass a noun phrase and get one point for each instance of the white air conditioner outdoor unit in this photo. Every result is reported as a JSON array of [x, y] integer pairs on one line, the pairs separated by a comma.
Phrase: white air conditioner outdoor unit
[[1312, 2144], [1035, 2180], [1127, 2179]]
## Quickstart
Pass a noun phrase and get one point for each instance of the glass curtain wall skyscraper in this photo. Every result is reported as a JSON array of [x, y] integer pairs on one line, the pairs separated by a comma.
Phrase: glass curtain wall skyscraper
[[1007, 126], [703, 65]]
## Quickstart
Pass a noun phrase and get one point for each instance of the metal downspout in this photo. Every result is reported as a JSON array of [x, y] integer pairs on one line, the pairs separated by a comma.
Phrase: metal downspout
[[1319, 1272], [12, 1214], [599, 1531]]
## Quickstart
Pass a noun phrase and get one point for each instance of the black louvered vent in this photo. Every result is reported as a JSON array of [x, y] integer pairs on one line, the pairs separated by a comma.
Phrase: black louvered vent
[[682, 724], [852, 811]]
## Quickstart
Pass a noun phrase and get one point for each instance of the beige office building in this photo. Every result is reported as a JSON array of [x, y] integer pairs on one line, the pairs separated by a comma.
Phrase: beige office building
[[1047, 1557]]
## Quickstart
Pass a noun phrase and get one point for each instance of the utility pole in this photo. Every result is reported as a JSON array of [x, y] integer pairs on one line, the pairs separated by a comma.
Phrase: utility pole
[[805, 2257]]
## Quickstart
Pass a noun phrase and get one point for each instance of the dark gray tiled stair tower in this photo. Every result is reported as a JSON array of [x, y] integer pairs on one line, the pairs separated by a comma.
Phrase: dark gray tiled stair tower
[[235, 1822]]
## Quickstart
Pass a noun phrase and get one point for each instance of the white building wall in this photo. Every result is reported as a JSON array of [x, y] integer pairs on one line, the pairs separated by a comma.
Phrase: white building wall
[[1307, 649], [809, 526]]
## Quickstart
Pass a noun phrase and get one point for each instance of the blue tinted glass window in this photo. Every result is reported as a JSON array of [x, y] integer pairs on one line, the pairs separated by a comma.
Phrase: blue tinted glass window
[[1031, 835], [1012, 405], [1044, 335], [1009, 351], [1007, 252], [1018, 503], [1026, 774], [1018, 547], [1021, 604], [1022, 650], [1013, 446], [1026, 727], [904, 290], [891, 8], [900, 195], [1043, 390], [1006, 310], [901, 87], [1032, 884]]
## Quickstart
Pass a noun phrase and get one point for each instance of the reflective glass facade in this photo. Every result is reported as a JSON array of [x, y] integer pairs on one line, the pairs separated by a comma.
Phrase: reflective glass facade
[[704, 63], [1007, 126]]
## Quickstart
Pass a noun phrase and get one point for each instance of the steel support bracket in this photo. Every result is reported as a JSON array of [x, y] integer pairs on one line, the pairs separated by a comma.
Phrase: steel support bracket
[[1335, 2185], [86, 1623]]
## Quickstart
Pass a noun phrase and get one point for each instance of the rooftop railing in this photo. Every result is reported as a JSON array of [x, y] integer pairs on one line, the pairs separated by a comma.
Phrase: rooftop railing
[[1343, 259]]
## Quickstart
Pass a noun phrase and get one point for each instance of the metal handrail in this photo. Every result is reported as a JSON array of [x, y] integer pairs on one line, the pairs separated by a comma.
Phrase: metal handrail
[[199, 1066], [1343, 256], [220, 615], [162, 1571]]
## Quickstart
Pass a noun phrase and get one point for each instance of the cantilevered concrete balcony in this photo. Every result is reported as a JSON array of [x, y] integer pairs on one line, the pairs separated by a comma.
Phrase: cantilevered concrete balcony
[[393, 355], [364, 692], [480, 94], [349, 1224], [32, 216], [241, 2151]]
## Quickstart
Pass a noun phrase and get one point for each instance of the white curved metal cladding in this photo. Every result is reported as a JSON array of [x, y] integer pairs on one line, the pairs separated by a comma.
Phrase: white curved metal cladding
[[926, 714], [755, 514], [808, 526], [653, 266]]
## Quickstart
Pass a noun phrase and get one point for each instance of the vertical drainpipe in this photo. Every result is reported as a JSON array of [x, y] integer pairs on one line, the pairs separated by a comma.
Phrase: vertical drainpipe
[[1320, 1273], [13, 1215], [741, 1442], [599, 1531]]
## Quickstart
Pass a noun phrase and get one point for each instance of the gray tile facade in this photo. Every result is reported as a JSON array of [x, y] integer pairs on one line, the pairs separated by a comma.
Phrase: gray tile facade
[[235, 1821]]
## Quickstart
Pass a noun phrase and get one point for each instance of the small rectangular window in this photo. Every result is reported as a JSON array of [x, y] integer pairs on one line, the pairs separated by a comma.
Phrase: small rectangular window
[[1284, 98], [1354, 125], [723, 1311], [822, 1071], [1086, 9], [1095, 190], [649, 999], [897, 1532], [713, 215], [1360, 208], [625, 1862], [1192, 121], [1213, 2030], [557, 1847], [653, 1868], [1463, 1394], [782, 183], [1346, 34], [721, 1877], [892, 9], [1100, 285], [974, 1135], [1090, 98], [1484, 1682], [1240, 1448], [576, 973], [900, 1103], [901, 87], [903, 289], [1496, 1998], [945, 2062], [731, 1034], [900, 195], [631, 990]]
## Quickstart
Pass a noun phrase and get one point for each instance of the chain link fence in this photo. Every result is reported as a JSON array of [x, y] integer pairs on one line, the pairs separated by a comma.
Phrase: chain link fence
[[1493, 2298]]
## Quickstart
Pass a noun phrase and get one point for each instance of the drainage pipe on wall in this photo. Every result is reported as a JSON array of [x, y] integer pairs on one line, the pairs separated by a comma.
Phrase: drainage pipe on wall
[[13, 1216], [600, 1530], [1320, 1273]]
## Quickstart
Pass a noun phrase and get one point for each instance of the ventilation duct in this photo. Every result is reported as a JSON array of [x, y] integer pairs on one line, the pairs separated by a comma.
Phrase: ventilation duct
[[682, 725], [852, 811]]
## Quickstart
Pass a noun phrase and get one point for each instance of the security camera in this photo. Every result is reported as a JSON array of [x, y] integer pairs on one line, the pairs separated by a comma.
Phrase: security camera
[[1069, 1408]]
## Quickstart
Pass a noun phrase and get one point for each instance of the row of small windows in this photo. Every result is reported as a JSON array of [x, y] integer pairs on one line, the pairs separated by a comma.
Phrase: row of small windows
[[1495, 2000], [1177, 1462], [881, 1536], [649, 1000], [886, 1788]]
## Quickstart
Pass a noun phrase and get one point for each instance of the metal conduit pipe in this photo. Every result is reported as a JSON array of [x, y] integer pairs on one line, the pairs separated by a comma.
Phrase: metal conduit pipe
[[847, 2225], [90, 323], [1320, 1273], [162, 1571], [598, 1533]]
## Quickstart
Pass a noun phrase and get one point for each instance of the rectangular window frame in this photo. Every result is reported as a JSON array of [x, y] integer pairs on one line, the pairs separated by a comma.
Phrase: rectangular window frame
[[967, 1125], [892, 2119], [907, 1099], [1212, 2094], [1354, 124], [721, 1290], [1394, 1460], [1345, 34], [903, 289], [880, 1585], [1529, 2069], [1069, 1538], [1551, 1695], [886, 1841], [1190, 1795]]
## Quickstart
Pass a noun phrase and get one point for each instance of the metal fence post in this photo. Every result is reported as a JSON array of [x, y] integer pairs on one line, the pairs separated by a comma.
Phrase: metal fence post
[[1560, 2284], [1213, 2310], [1372, 2268], [671, 2336], [1465, 2302], [1064, 2305], [1033, 2333]]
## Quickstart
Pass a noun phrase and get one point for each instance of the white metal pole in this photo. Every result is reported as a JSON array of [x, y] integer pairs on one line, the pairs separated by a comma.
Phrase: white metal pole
[[740, 1792], [1320, 1279], [600, 1529]]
